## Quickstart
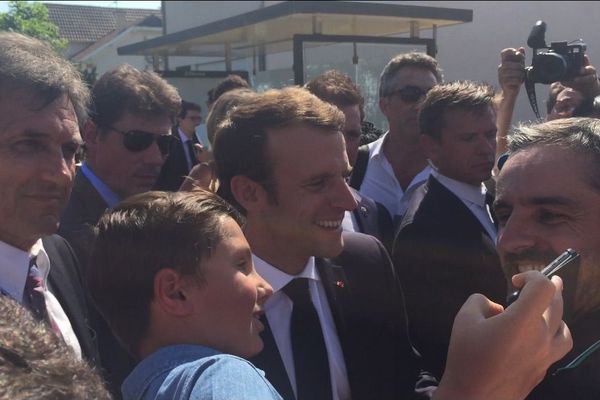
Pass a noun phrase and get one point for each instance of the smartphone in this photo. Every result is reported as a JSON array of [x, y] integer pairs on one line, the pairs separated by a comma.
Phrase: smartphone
[[556, 266]]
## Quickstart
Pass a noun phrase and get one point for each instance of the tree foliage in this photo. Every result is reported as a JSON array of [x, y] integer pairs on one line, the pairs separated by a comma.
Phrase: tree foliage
[[31, 19]]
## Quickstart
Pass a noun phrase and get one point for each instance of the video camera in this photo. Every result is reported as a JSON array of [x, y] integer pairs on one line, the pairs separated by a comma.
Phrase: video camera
[[561, 61]]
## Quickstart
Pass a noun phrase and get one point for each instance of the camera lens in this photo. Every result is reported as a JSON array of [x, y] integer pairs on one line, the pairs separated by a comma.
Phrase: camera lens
[[549, 67]]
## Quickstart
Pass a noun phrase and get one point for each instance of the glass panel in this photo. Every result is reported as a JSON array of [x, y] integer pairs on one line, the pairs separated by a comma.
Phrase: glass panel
[[320, 57]]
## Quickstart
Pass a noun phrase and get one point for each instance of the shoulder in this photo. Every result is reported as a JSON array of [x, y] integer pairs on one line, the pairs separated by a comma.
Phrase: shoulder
[[221, 377]]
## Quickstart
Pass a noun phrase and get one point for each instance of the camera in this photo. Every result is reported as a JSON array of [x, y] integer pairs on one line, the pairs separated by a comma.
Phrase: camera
[[561, 61]]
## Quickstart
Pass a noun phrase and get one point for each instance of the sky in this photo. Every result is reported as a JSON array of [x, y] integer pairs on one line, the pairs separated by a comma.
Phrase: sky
[[119, 4]]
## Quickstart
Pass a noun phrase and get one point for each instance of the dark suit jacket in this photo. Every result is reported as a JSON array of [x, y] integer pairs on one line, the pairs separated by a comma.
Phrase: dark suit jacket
[[581, 382], [85, 208], [368, 310], [373, 219], [66, 284], [80, 217], [442, 255], [175, 167]]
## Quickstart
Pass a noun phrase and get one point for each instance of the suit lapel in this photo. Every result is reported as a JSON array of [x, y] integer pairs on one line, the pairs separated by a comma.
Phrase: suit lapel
[[337, 289], [269, 360]]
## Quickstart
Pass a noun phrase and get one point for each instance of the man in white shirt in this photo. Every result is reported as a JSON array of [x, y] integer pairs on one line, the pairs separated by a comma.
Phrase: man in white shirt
[[39, 137], [397, 164], [335, 327], [445, 248]]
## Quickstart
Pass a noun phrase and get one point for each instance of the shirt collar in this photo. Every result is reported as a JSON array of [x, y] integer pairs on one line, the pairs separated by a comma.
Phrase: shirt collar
[[14, 267], [277, 278], [182, 136], [377, 146], [107, 194], [466, 192]]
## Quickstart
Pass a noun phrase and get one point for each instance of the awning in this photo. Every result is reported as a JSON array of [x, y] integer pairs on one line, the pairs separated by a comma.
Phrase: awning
[[271, 29]]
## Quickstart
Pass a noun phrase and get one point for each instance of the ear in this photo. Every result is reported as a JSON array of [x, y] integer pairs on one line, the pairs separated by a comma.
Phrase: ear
[[248, 193], [89, 133], [430, 146], [170, 293]]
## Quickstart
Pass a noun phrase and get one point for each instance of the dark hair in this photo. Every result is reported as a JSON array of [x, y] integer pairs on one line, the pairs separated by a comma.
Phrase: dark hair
[[413, 59], [462, 95], [36, 364], [129, 90], [30, 65], [141, 236], [221, 107], [231, 82], [336, 88], [581, 135], [241, 140], [187, 106]]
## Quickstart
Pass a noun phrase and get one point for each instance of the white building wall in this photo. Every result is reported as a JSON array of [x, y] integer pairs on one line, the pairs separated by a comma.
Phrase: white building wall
[[106, 58], [466, 51]]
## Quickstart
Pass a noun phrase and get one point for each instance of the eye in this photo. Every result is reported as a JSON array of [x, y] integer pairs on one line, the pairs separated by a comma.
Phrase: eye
[[69, 150], [243, 266], [468, 138], [550, 217], [29, 146], [316, 184]]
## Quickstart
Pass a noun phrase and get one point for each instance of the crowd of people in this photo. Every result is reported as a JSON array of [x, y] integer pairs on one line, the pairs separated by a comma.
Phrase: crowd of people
[[302, 255]]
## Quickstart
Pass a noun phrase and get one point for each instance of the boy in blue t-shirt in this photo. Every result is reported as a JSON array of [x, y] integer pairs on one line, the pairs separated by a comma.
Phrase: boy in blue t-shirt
[[172, 274]]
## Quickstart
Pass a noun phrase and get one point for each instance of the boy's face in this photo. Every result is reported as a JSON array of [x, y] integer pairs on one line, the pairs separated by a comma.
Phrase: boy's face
[[230, 298]]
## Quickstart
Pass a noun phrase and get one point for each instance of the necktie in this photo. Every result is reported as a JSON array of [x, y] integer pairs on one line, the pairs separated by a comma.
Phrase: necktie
[[310, 354], [34, 292], [34, 298], [190, 148]]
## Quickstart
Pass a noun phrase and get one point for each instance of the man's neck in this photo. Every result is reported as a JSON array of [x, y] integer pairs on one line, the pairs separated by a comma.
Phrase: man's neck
[[405, 155], [188, 134], [279, 255]]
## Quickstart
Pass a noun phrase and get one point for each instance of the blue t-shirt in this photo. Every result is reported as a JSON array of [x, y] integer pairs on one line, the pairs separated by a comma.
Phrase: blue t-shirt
[[198, 373]]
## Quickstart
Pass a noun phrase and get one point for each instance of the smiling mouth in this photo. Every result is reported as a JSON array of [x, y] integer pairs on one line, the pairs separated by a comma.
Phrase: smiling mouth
[[529, 267], [330, 224]]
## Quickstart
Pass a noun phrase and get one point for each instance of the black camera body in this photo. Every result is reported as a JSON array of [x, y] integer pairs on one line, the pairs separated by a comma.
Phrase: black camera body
[[561, 61]]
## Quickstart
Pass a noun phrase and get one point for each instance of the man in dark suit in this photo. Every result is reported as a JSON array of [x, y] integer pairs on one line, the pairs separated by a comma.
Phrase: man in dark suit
[[335, 327], [182, 156], [127, 139], [337, 88], [445, 247], [39, 137]]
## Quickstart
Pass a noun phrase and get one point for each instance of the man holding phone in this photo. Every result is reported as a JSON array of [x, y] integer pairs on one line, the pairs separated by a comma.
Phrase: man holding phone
[[548, 200]]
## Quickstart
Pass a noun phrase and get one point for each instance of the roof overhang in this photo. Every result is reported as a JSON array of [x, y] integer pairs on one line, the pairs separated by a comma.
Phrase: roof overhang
[[272, 28]]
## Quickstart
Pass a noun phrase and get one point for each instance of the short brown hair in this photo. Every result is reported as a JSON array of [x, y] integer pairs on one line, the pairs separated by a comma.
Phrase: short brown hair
[[141, 236], [231, 82], [241, 141], [462, 95], [36, 364], [126, 89], [28, 64], [412, 59], [221, 107], [336, 88]]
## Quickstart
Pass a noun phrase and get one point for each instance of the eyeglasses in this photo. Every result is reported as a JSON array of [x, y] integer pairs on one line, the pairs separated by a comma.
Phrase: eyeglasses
[[136, 140], [409, 93]]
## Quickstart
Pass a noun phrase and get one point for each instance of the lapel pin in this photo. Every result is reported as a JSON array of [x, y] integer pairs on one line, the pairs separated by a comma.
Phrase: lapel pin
[[340, 284]]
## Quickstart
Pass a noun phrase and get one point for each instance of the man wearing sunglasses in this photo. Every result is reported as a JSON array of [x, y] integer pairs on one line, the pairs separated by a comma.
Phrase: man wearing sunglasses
[[182, 156], [396, 163], [127, 139]]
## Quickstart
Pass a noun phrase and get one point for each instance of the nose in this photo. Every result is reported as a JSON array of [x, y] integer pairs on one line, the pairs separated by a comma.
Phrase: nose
[[57, 169], [343, 197], [263, 289], [515, 236], [153, 155]]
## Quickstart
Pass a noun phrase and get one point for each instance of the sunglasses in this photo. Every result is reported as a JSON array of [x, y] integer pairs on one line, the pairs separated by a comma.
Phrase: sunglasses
[[136, 140], [409, 93]]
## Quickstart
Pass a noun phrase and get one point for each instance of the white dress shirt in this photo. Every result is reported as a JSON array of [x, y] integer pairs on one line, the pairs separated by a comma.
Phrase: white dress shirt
[[381, 185], [474, 198], [14, 268], [184, 139], [278, 310]]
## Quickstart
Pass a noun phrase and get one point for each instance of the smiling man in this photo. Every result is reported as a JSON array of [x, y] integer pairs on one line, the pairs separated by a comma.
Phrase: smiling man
[[127, 139], [43, 100], [548, 200], [445, 248]]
